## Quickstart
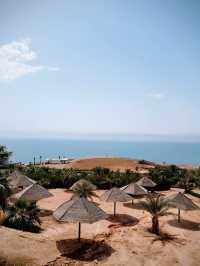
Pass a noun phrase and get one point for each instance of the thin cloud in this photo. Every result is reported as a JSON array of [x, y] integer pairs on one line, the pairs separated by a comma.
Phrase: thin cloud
[[16, 58], [157, 95]]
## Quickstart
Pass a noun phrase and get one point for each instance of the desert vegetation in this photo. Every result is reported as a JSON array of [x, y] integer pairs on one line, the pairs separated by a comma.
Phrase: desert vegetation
[[20, 215], [164, 176], [157, 207]]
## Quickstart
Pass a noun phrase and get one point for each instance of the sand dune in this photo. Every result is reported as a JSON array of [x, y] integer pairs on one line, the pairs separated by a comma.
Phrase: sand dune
[[113, 163]]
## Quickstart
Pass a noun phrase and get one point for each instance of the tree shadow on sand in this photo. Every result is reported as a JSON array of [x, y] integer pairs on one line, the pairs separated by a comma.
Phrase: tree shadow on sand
[[185, 224], [122, 220], [86, 250], [165, 238]]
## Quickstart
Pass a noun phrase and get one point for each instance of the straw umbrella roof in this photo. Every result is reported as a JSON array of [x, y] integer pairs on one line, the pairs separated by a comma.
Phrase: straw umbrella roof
[[34, 192], [79, 209], [17, 179], [181, 201], [82, 182], [146, 182], [114, 195], [134, 189]]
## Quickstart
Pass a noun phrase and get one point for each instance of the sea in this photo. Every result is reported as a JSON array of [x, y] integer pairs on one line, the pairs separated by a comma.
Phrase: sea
[[24, 150]]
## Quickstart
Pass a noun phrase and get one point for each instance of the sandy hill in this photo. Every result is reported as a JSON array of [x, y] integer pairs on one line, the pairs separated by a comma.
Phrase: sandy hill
[[113, 163]]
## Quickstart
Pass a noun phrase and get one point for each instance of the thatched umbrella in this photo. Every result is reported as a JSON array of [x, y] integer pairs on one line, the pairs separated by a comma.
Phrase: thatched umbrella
[[19, 181], [182, 202], [80, 210], [82, 182], [146, 183], [34, 192], [115, 195], [134, 190]]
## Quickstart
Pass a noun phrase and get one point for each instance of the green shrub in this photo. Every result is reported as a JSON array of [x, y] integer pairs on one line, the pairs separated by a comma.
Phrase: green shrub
[[23, 216], [143, 162], [166, 176], [103, 178], [195, 194]]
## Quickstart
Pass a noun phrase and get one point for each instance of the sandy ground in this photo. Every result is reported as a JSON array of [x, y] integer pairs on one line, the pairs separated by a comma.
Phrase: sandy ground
[[131, 244], [113, 163]]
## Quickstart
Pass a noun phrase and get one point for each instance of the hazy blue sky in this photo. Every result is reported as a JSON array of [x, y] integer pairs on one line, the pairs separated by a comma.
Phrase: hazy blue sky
[[100, 67]]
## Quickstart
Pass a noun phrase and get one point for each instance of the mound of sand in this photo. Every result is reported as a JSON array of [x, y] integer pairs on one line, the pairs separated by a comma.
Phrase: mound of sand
[[113, 163]]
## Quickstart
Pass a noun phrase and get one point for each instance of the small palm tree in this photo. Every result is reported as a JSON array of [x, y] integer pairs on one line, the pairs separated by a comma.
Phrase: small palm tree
[[23, 215], [3, 197], [84, 190], [4, 157], [156, 206]]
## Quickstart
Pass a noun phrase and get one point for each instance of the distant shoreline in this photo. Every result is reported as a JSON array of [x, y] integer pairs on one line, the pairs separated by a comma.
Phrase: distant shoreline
[[24, 150]]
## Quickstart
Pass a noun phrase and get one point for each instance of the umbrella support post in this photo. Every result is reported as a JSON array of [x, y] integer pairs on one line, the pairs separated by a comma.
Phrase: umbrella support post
[[132, 201], [79, 232], [114, 208], [179, 215]]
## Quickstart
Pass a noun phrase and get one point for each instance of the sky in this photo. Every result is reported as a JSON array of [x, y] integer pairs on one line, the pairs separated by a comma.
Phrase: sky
[[99, 68]]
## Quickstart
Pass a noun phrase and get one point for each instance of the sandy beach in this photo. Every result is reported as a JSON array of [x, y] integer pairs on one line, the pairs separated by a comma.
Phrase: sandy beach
[[127, 237]]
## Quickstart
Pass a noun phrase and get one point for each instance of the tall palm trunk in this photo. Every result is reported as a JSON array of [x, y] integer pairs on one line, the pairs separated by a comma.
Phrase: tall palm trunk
[[155, 225]]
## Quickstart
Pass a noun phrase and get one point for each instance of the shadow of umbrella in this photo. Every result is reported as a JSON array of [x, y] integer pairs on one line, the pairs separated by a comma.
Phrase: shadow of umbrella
[[185, 224], [136, 205], [123, 219], [86, 250]]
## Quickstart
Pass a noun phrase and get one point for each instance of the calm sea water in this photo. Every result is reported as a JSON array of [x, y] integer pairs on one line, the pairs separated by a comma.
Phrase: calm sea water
[[25, 149]]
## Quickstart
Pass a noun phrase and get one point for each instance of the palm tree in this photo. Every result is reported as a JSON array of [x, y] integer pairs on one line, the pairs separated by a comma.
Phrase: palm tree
[[84, 190], [23, 215], [4, 157], [156, 206], [3, 197], [188, 181]]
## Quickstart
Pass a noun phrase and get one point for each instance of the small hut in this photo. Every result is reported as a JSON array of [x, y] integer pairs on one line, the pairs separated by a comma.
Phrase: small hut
[[79, 210], [34, 192], [17, 181], [115, 195], [147, 183], [134, 190], [182, 202]]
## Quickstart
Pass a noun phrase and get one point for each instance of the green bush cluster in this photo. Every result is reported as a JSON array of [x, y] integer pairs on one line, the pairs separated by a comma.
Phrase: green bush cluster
[[103, 178], [23, 215], [168, 176], [195, 194], [164, 176]]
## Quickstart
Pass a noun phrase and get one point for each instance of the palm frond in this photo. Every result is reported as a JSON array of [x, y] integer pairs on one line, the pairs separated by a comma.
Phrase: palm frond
[[84, 190], [155, 205]]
